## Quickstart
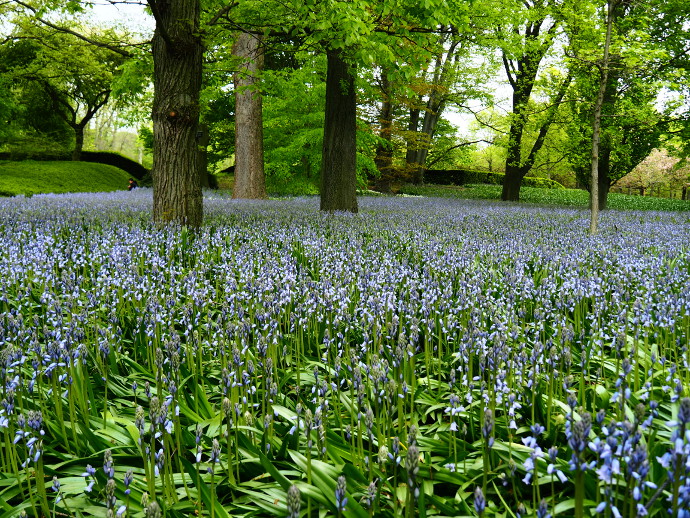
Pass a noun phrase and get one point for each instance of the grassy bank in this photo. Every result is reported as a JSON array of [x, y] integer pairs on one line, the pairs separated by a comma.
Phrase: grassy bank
[[31, 177], [555, 197]]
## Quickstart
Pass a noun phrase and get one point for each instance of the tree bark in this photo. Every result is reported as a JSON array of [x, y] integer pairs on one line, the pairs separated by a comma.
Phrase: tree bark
[[177, 62], [339, 157], [596, 124], [511, 183], [412, 146], [78, 141], [250, 180], [522, 76], [384, 150]]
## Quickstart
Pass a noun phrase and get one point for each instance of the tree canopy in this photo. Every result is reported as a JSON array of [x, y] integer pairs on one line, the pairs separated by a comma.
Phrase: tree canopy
[[359, 92]]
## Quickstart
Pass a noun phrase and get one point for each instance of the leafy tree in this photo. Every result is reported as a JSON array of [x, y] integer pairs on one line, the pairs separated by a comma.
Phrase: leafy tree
[[452, 77], [293, 131], [75, 78], [644, 56], [356, 33], [658, 170], [525, 34]]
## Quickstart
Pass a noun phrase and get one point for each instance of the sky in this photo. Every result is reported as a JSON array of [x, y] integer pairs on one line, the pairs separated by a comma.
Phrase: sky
[[130, 14]]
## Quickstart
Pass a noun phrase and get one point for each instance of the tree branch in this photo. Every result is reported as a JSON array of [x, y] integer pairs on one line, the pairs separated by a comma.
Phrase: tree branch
[[510, 70], [65, 30], [160, 25], [462, 144], [221, 13]]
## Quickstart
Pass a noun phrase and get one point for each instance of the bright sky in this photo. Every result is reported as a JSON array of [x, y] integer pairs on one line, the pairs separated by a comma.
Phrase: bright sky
[[130, 14]]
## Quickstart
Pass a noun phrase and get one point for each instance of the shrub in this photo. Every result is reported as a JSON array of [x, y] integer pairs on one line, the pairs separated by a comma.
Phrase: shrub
[[466, 176]]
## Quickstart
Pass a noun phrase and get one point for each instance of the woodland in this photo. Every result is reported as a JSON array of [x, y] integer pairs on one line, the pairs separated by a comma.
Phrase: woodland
[[333, 96]]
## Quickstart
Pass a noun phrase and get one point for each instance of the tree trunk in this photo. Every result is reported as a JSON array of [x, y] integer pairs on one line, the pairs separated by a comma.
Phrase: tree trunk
[[250, 181], [78, 141], [513, 174], [596, 125], [384, 150], [177, 61], [604, 171], [339, 157], [412, 148], [511, 183], [426, 136]]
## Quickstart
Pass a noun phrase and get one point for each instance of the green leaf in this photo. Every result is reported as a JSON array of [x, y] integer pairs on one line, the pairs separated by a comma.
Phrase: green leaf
[[204, 491]]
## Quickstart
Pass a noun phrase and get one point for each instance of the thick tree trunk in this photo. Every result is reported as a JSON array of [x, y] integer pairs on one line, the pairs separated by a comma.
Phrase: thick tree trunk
[[177, 54], [78, 142], [513, 175], [384, 151], [413, 147], [339, 158], [250, 181], [522, 75], [511, 184]]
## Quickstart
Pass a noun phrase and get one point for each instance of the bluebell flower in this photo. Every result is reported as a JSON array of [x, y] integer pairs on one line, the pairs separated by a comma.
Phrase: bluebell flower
[[294, 501], [479, 501], [340, 498]]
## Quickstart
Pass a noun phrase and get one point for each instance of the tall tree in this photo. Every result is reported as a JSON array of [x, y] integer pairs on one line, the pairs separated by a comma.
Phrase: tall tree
[[76, 77], [524, 44], [339, 158], [250, 181], [177, 67], [611, 6], [438, 87], [645, 55]]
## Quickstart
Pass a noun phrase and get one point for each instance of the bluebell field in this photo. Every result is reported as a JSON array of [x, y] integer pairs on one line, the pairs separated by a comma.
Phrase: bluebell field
[[424, 357]]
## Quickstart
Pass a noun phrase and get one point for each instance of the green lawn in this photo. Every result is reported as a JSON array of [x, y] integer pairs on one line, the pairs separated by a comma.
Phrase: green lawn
[[31, 177], [557, 197]]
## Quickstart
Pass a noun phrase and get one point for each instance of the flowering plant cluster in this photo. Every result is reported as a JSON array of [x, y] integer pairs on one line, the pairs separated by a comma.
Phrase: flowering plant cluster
[[424, 357]]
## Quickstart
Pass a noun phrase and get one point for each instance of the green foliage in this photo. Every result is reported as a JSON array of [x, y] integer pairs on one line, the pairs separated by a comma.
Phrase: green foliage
[[296, 186], [57, 81], [33, 177], [464, 176], [293, 121], [543, 196], [632, 127]]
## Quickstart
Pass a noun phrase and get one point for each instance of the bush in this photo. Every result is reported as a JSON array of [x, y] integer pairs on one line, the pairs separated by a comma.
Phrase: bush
[[297, 186], [466, 176]]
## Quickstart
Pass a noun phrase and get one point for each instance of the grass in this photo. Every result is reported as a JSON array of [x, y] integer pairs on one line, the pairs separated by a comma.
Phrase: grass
[[553, 197], [31, 177]]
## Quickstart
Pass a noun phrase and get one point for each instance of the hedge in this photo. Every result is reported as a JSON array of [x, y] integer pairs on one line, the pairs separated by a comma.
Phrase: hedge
[[466, 176]]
